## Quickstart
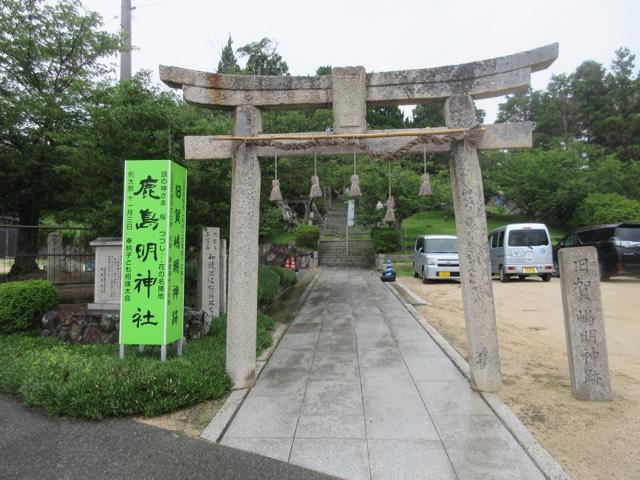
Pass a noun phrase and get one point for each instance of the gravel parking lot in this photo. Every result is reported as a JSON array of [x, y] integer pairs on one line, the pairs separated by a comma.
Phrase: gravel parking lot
[[592, 440]]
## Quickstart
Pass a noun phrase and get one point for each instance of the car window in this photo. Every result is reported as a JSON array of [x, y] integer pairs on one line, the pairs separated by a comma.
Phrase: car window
[[528, 238], [501, 239], [418, 244], [630, 234], [441, 245], [570, 241], [494, 240]]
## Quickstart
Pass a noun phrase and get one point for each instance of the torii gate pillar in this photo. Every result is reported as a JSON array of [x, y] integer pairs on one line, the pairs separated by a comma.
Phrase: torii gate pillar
[[243, 252], [471, 229]]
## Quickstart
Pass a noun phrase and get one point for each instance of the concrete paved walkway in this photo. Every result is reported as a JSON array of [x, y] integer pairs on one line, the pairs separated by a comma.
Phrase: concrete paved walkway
[[357, 389], [34, 446]]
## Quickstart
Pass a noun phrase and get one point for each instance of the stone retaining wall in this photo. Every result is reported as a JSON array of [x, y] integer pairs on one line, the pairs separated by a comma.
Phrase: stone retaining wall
[[94, 327]]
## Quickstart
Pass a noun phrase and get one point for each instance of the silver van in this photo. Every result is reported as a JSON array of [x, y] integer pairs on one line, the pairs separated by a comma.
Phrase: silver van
[[521, 249], [435, 257]]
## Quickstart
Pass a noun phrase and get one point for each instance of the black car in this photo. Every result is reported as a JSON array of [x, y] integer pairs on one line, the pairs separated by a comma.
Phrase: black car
[[618, 247]]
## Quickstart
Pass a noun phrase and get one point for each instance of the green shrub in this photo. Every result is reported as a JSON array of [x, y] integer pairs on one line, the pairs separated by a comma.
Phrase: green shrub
[[22, 302], [268, 285], [287, 277], [307, 236], [599, 208], [385, 239], [90, 381]]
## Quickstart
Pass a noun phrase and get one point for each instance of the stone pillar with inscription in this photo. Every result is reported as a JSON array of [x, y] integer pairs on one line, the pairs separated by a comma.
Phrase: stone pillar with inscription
[[475, 268], [209, 274], [108, 267], [584, 324]]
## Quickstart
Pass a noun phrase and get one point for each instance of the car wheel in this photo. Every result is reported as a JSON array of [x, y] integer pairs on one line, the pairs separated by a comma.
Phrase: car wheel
[[546, 277], [424, 277], [522, 277], [504, 278]]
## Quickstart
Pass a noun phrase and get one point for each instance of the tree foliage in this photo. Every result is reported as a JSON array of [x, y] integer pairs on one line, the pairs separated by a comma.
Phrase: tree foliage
[[49, 63], [587, 140], [601, 208], [228, 62], [263, 59]]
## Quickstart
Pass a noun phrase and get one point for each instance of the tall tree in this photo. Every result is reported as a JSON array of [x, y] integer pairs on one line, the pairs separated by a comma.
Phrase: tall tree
[[49, 60], [228, 62], [161, 121], [263, 59]]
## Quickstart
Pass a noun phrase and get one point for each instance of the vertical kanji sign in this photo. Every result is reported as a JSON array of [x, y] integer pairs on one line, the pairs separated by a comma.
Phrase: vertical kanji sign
[[152, 302]]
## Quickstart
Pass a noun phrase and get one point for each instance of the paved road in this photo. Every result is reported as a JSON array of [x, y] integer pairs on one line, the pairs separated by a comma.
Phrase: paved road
[[356, 388], [35, 446]]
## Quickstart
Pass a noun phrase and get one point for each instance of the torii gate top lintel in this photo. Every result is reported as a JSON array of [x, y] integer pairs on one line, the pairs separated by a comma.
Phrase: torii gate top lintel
[[349, 90], [481, 79]]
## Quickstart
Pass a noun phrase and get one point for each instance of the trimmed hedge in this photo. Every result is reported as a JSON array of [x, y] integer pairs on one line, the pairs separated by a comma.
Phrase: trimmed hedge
[[307, 236], [268, 285], [287, 277], [22, 302], [385, 239], [90, 381]]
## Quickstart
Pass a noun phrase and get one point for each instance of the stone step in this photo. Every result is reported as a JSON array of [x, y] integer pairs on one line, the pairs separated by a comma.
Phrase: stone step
[[341, 248], [347, 263]]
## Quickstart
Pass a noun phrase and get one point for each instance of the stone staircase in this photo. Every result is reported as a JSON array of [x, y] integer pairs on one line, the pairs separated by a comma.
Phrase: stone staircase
[[334, 250], [335, 253], [336, 222]]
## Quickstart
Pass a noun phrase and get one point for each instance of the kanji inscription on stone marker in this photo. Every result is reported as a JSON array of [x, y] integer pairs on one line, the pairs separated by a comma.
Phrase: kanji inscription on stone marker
[[584, 325], [210, 271]]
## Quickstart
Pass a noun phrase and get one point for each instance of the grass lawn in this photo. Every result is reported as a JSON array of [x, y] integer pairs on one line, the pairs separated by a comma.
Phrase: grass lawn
[[281, 237], [433, 223], [90, 381]]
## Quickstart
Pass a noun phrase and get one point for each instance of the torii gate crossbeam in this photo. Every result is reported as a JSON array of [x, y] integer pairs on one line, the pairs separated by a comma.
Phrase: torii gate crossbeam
[[348, 91]]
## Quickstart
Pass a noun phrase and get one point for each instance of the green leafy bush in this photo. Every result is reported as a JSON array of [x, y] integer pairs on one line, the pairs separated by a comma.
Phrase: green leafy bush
[[90, 381], [287, 277], [268, 285], [385, 239], [307, 236], [21, 302], [600, 208]]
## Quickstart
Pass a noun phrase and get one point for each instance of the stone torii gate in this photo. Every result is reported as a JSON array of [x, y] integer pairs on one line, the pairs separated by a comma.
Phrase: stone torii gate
[[348, 91]]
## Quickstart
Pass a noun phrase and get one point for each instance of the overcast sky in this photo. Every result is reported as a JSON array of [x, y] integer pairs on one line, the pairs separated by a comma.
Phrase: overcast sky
[[379, 35]]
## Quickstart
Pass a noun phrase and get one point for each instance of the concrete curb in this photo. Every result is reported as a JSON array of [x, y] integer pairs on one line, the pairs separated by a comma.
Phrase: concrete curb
[[548, 465], [411, 297], [221, 420]]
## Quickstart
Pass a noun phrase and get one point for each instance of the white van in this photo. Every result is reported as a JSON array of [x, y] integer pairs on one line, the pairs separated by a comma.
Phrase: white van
[[435, 257], [521, 249]]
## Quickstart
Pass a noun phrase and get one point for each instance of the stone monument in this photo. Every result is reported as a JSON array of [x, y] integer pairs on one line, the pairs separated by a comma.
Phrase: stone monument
[[583, 323], [55, 256], [106, 289], [209, 272]]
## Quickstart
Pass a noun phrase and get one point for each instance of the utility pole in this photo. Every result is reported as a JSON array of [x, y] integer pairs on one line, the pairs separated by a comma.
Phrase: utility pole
[[125, 48]]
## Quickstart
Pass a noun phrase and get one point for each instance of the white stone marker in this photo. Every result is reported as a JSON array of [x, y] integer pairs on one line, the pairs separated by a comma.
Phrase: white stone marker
[[584, 324], [209, 275], [223, 277], [106, 288]]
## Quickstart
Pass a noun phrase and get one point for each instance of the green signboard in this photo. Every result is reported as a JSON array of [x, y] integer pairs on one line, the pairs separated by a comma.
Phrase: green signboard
[[153, 242]]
